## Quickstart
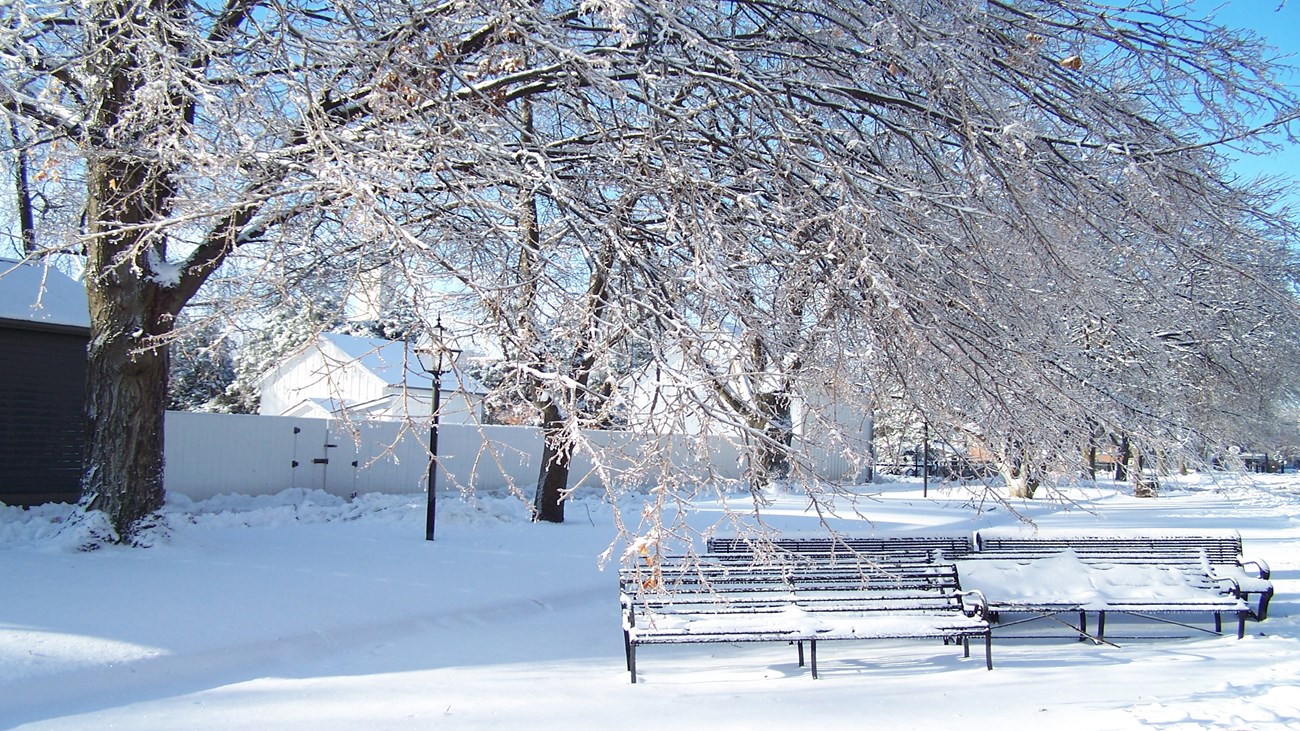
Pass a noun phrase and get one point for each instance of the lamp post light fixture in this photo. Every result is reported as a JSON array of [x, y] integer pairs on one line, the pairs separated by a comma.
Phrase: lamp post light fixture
[[436, 356]]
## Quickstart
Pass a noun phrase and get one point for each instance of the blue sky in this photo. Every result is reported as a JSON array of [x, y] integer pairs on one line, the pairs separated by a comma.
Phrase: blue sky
[[1278, 22]]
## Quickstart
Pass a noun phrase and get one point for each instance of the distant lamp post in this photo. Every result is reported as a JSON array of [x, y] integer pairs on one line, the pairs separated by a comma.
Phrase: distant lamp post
[[925, 460], [437, 356]]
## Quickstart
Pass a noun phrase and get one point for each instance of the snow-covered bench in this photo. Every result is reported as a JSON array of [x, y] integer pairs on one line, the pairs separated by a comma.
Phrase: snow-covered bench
[[894, 548], [705, 599], [1217, 554], [1049, 585]]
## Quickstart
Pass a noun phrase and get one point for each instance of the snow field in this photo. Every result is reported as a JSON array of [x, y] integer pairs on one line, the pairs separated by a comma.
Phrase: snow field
[[303, 610]]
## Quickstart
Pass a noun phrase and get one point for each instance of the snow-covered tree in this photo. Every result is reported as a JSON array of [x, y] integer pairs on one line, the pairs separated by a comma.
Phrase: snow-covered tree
[[202, 369], [1014, 207]]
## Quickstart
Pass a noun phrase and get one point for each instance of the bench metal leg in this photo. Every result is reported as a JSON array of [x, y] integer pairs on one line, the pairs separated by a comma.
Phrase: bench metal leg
[[1083, 626], [812, 654], [1264, 596], [1241, 624], [631, 661], [965, 643], [1218, 623], [1101, 626], [800, 644], [988, 650], [627, 648]]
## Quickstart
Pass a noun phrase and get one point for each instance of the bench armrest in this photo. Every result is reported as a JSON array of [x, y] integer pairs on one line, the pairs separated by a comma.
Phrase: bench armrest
[[1262, 570], [977, 607], [1233, 585]]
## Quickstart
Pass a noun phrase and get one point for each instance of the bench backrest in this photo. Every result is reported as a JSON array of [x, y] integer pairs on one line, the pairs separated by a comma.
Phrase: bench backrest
[[908, 548], [693, 584], [1218, 550]]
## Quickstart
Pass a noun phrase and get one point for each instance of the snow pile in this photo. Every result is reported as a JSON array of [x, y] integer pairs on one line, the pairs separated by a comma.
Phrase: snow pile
[[50, 527], [1064, 578]]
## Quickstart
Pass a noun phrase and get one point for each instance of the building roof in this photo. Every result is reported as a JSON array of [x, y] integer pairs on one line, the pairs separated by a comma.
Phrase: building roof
[[394, 363], [31, 292], [315, 408]]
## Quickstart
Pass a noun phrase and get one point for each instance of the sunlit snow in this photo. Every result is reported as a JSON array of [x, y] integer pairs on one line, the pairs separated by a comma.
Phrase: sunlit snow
[[304, 610]]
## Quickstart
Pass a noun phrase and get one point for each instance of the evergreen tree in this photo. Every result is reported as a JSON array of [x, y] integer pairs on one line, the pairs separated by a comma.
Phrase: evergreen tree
[[202, 369]]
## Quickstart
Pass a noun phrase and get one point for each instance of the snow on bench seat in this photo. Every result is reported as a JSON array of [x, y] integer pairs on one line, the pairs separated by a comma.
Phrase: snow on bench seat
[[1216, 553], [1067, 582]]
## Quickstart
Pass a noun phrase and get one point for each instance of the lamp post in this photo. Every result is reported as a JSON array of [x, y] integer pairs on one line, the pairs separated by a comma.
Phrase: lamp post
[[925, 456], [436, 357]]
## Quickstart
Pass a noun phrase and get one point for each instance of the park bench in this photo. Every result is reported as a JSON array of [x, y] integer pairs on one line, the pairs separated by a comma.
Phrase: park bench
[[1160, 577], [712, 599], [1217, 554], [1056, 585]]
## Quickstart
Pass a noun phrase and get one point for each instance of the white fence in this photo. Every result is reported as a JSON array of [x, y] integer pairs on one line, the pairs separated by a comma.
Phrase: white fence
[[210, 454]]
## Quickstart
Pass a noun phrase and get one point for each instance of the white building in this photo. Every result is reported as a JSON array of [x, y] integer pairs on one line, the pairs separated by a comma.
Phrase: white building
[[342, 376]]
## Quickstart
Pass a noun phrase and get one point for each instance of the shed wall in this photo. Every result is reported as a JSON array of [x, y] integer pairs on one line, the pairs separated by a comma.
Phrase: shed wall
[[42, 414]]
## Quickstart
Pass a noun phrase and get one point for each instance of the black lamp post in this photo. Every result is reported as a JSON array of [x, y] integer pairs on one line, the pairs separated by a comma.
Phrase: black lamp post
[[925, 456], [437, 357]]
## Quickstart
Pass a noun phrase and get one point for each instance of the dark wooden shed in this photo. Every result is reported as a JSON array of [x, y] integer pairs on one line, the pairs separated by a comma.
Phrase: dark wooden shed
[[44, 329]]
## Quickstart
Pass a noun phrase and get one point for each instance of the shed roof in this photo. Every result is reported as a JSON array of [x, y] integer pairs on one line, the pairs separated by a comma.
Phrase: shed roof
[[37, 294]]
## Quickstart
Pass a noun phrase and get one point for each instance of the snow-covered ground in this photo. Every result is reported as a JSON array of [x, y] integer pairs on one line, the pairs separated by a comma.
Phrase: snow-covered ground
[[307, 611]]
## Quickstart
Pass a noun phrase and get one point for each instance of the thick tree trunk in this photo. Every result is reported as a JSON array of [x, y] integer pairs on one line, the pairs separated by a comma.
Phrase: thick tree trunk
[[130, 310], [130, 189], [1022, 480], [1021, 484], [553, 477], [126, 401], [772, 453], [1121, 461]]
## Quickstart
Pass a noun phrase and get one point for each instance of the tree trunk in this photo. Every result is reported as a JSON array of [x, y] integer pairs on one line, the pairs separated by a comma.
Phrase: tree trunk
[[553, 477], [126, 399], [1022, 485], [1121, 462], [1022, 480], [23, 192], [772, 458], [130, 310], [126, 373]]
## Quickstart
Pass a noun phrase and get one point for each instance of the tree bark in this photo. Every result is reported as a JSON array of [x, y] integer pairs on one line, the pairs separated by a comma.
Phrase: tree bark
[[1022, 479], [126, 399], [1121, 460], [23, 192], [131, 309], [1022, 485], [126, 374], [553, 477], [773, 451]]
